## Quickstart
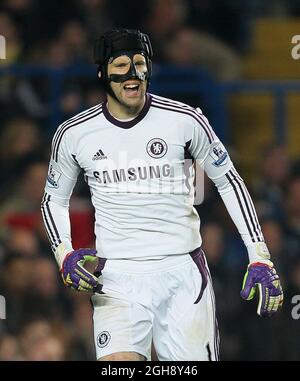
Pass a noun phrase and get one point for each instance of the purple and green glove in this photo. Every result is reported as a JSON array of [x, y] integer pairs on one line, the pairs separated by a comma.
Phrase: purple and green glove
[[74, 274], [262, 277]]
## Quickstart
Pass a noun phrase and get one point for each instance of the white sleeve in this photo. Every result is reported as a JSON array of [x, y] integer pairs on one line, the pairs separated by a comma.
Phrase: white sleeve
[[61, 179], [240, 207], [213, 157]]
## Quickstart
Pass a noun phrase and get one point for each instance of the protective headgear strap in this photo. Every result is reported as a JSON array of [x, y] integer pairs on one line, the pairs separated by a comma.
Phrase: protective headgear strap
[[131, 74]]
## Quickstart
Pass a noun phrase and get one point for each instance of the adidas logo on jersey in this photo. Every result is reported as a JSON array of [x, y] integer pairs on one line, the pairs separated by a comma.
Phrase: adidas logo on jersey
[[99, 155]]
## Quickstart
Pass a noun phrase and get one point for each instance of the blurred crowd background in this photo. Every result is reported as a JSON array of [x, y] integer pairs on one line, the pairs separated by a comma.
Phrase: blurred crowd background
[[230, 40]]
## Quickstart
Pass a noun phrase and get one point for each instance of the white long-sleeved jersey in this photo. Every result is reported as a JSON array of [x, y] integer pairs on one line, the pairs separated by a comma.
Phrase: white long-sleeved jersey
[[141, 181]]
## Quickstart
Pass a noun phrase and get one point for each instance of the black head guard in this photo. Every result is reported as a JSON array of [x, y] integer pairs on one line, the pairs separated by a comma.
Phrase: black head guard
[[117, 42]]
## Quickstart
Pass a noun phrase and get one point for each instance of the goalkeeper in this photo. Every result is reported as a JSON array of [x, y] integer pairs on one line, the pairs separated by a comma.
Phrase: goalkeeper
[[151, 281]]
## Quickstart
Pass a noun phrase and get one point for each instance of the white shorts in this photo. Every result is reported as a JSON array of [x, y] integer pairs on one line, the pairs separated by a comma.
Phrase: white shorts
[[169, 301]]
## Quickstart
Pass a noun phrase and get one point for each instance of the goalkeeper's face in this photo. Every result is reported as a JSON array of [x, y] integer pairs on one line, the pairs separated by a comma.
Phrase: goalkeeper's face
[[131, 91]]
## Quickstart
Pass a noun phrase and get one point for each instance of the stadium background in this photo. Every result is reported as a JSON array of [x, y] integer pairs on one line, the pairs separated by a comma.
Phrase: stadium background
[[233, 59]]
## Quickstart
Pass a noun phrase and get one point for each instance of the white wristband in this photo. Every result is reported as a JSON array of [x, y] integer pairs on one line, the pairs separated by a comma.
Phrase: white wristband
[[258, 252], [61, 253]]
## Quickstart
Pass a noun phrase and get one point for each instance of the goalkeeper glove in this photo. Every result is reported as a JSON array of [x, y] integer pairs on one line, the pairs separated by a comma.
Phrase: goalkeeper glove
[[73, 273], [262, 277]]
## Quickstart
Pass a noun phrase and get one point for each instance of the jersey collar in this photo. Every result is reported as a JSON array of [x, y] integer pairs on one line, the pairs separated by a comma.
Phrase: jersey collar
[[132, 122]]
